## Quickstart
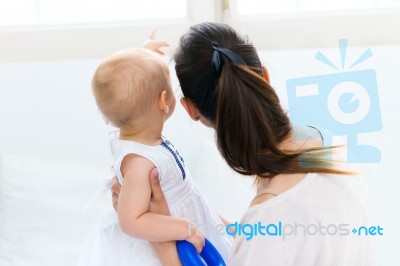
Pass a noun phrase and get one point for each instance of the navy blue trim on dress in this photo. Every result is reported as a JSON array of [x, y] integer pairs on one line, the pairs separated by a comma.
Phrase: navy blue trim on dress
[[178, 158]]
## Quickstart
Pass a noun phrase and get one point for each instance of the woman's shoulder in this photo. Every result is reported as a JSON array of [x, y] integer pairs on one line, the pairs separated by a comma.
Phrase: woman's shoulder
[[336, 198], [340, 185]]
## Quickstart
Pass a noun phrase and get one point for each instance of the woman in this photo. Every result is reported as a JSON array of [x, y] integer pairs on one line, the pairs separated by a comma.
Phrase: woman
[[311, 202]]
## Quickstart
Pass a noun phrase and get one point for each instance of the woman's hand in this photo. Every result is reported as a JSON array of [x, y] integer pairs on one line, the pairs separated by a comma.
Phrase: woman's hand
[[158, 204], [154, 45]]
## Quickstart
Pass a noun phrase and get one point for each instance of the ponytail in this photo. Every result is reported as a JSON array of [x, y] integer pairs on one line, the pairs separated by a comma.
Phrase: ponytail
[[251, 124]]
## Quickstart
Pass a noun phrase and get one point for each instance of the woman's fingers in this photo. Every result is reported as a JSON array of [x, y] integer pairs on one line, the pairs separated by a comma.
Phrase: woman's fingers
[[156, 191], [115, 189], [158, 204]]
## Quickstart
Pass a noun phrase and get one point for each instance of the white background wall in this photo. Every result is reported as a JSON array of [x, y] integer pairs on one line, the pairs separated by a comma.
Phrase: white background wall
[[47, 111]]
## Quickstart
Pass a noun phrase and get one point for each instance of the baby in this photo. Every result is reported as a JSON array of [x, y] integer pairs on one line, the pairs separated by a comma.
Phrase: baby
[[133, 91]]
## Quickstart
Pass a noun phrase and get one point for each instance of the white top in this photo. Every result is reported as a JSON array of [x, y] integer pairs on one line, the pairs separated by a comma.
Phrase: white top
[[335, 203]]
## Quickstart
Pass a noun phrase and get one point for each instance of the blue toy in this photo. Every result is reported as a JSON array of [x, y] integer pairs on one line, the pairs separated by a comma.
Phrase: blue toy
[[209, 256]]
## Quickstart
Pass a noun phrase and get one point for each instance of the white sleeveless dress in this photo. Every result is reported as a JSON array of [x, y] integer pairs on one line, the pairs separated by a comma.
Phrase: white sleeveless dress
[[108, 245]]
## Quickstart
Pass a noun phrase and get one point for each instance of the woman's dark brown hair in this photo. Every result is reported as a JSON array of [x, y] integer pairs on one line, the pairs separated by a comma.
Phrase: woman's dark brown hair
[[244, 109]]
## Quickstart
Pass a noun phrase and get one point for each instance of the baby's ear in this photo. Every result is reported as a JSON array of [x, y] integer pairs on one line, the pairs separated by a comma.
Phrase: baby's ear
[[163, 103], [265, 74], [190, 108]]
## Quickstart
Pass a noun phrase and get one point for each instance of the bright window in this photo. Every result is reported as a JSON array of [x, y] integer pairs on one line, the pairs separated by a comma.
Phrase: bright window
[[44, 12], [253, 7]]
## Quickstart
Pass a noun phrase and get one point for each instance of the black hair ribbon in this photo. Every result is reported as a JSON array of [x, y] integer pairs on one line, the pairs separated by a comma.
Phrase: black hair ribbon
[[216, 60]]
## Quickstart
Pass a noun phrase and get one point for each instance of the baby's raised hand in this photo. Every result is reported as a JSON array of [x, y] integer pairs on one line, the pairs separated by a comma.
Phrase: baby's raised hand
[[155, 45]]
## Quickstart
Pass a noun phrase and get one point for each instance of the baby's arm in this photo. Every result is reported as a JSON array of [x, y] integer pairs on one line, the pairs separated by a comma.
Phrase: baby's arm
[[133, 207]]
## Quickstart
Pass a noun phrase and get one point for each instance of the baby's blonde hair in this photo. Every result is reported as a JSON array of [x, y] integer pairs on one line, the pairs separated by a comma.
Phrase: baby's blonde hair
[[127, 83]]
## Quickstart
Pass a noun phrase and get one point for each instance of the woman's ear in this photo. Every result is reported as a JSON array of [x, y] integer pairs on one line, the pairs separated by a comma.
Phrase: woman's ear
[[163, 103], [265, 74], [190, 108]]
